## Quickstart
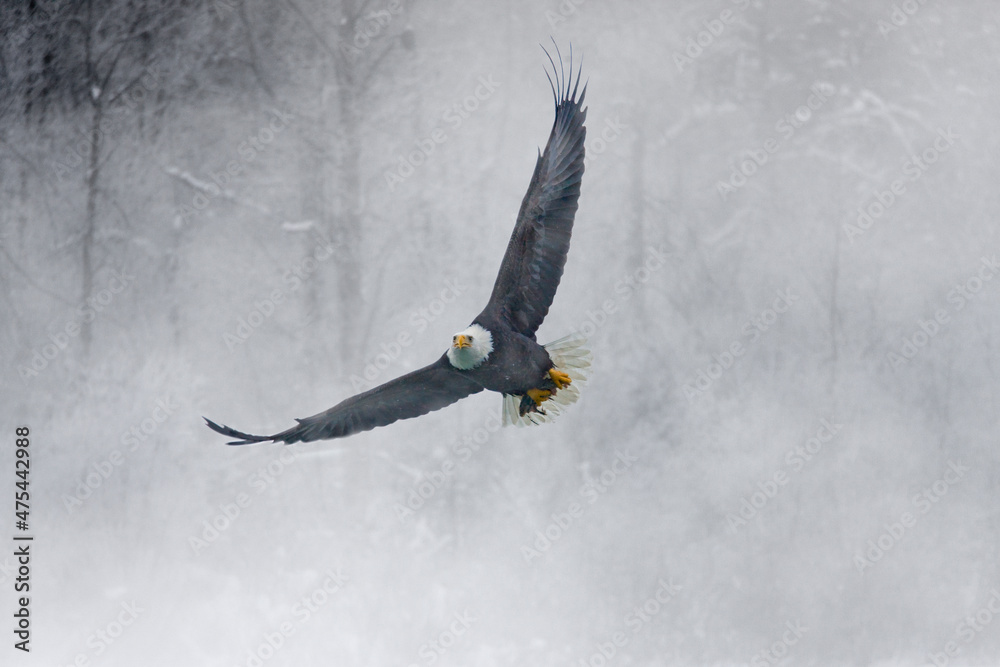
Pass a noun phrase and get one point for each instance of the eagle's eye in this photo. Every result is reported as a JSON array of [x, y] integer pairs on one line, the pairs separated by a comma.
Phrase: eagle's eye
[[470, 339]]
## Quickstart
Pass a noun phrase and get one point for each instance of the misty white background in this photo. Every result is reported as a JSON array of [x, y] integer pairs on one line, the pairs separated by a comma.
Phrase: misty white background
[[408, 140]]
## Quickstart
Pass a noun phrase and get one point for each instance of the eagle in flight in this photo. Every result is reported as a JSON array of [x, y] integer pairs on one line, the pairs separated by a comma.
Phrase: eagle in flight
[[498, 351]]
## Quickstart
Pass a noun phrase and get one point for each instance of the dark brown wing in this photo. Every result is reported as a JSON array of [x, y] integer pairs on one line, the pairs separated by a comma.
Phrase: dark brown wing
[[536, 253], [430, 388]]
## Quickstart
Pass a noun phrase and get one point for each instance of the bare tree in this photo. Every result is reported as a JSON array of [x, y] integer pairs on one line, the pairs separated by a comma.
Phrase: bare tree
[[94, 58], [367, 33]]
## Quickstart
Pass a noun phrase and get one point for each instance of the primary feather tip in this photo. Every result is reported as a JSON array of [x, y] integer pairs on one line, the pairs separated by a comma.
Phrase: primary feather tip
[[564, 89], [245, 438]]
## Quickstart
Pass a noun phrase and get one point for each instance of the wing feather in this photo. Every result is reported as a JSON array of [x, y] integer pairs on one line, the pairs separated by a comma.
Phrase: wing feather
[[412, 395], [536, 254]]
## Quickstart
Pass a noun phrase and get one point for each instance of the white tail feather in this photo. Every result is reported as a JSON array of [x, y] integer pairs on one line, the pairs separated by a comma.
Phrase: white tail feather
[[568, 355]]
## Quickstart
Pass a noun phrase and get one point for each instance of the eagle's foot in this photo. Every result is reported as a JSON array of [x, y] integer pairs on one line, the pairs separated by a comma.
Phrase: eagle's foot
[[539, 395], [532, 400], [561, 380]]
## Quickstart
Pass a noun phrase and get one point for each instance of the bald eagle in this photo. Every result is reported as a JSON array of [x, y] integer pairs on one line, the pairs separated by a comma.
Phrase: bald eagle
[[498, 351]]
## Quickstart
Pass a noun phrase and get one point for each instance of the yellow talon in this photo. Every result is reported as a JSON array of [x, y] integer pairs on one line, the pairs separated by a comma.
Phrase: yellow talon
[[539, 395], [561, 379]]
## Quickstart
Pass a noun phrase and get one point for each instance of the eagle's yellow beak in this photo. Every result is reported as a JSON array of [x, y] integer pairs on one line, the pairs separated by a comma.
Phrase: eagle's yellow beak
[[461, 341]]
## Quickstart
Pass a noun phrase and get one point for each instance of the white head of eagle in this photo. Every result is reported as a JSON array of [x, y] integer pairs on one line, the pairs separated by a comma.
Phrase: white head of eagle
[[470, 348]]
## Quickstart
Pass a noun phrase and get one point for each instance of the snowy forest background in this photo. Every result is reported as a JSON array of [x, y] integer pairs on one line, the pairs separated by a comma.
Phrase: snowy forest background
[[249, 210]]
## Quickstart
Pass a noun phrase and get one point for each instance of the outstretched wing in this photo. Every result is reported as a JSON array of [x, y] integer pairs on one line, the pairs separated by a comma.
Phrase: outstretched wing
[[430, 388], [536, 253]]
